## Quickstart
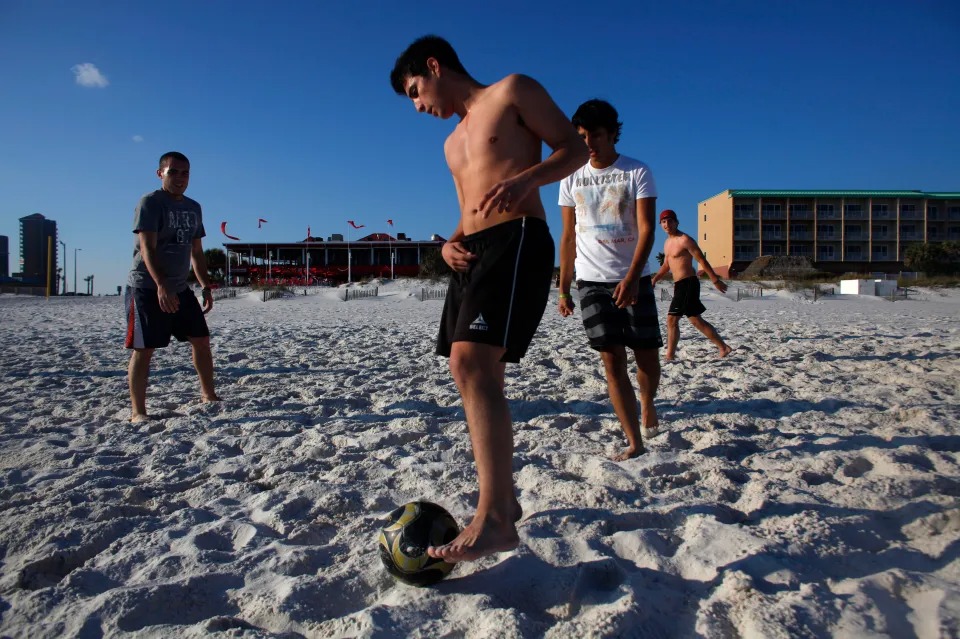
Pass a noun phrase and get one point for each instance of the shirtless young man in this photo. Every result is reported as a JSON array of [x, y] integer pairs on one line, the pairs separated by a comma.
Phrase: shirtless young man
[[679, 252], [501, 253]]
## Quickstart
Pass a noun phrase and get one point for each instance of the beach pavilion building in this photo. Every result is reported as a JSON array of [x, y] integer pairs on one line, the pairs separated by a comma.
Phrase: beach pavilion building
[[331, 261], [840, 231]]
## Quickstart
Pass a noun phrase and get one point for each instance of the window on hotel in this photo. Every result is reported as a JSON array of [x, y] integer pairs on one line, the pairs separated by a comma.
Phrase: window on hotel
[[908, 208], [743, 209], [880, 209], [852, 209], [825, 210], [771, 209]]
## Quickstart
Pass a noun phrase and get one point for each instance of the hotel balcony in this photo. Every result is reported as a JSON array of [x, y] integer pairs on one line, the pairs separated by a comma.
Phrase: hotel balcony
[[855, 215], [745, 215], [828, 215], [953, 216], [884, 215], [773, 237], [911, 236], [824, 256], [801, 235], [801, 215], [911, 215], [748, 235], [855, 237], [774, 215]]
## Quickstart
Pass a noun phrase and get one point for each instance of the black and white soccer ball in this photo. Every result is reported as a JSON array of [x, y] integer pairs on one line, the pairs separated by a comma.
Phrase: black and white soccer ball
[[404, 539]]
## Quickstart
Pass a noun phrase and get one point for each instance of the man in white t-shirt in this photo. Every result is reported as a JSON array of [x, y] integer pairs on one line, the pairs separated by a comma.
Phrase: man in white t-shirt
[[609, 209]]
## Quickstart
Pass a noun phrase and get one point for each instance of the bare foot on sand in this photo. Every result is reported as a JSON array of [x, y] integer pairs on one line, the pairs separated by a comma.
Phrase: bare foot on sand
[[204, 399], [629, 453], [724, 351], [668, 356], [477, 540], [136, 418]]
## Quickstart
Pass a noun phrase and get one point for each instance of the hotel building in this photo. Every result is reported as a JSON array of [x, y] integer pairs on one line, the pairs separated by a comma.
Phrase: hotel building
[[840, 231]]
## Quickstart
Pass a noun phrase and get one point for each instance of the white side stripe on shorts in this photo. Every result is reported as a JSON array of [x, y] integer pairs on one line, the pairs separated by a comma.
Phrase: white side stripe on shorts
[[513, 285]]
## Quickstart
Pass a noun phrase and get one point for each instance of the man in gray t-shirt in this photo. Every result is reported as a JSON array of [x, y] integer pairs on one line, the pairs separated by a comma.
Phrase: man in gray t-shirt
[[159, 303]]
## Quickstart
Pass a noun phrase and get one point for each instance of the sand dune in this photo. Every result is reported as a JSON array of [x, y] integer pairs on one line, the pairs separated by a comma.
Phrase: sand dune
[[806, 486]]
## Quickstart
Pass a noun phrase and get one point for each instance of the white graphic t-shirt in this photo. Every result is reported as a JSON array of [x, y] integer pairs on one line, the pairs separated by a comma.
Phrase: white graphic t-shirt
[[606, 207]]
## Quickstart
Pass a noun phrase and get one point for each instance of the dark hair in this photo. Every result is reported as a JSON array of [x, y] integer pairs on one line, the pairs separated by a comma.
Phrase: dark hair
[[172, 155], [413, 61], [598, 114]]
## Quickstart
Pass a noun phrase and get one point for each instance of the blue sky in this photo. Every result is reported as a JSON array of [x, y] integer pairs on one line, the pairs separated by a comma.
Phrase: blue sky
[[286, 111]]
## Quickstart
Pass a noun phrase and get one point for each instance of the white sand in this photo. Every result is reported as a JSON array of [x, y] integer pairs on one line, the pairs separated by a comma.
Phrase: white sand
[[807, 486]]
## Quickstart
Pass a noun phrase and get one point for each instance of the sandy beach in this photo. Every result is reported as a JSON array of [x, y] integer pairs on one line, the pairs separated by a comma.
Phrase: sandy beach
[[806, 486]]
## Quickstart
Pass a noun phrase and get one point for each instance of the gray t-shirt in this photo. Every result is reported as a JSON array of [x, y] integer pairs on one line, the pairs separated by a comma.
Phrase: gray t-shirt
[[177, 223]]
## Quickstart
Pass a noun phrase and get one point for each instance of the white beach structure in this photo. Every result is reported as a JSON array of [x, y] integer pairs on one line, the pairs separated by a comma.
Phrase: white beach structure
[[883, 288]]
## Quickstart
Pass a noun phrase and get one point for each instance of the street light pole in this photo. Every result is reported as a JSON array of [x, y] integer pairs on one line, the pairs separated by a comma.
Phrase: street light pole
[[75, 270], [64, 245]]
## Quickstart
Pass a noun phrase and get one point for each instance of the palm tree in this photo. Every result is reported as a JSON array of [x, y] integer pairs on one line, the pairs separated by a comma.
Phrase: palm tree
[[660, 258]]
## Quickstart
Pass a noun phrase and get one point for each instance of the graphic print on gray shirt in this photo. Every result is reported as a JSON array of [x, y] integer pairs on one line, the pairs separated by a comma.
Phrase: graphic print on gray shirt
[[177, 223]]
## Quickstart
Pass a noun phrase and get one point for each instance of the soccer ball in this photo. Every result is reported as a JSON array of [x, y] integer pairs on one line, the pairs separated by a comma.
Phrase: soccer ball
[[404, 539]]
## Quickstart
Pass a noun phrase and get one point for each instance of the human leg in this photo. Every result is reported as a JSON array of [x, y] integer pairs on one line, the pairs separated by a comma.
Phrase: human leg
[[478, 373], [623, 398], [203, 362], [138, 370], [648, 379], [673, 336], [710, 332]]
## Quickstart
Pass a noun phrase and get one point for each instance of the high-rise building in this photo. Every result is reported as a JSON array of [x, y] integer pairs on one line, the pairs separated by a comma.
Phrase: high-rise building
[[37, 234], [839, 231], [4, 256]]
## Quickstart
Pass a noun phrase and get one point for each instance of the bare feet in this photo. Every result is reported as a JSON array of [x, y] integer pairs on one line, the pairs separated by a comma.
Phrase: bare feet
[[629, 453], [479, 539], [650, 431], [136, 418], [724, 351], [205, 399], [668, 356]]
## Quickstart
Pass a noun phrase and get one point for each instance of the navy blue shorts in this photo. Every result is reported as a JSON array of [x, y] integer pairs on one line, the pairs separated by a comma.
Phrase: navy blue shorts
[[686, 298], [150, 327], [500, 299], [636, 327]]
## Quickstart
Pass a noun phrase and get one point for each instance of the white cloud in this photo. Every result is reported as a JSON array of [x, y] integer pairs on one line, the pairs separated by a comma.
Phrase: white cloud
[[88, 75], [137, 138]]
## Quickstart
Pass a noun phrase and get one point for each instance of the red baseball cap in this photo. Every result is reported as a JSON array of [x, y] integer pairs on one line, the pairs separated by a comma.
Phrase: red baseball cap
[[667, 213]]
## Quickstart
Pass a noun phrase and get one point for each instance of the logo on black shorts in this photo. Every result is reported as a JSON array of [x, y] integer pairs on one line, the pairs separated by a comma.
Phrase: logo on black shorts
[[479, 324]]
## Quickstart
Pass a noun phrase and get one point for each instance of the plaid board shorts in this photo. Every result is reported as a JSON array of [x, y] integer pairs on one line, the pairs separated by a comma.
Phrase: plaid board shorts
[[636, 327]]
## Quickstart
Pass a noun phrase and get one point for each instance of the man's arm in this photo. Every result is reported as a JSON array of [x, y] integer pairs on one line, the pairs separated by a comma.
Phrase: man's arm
[[568, 254], [453, 253], [625, 294], [544, 118], [199, 261], [661, 273], [148, 251], [698, 255]]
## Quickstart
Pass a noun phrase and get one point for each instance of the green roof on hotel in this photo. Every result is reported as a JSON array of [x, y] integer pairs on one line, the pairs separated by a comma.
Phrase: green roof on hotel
[[852, 193]]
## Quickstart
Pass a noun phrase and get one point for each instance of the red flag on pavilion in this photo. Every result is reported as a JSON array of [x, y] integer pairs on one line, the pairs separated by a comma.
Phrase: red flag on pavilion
[[355, 225], [223, 229], [308, 232], [390, 222], [260, 222]]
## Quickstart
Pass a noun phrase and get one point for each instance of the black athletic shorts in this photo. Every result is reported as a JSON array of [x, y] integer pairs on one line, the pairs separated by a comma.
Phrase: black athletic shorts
[[686, 298], [500, 299], [636, 327], [150, 327]]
